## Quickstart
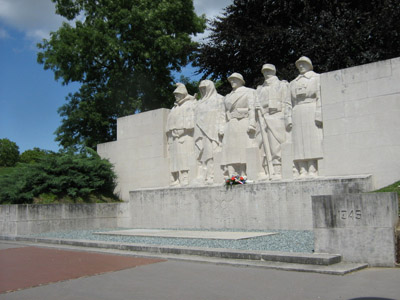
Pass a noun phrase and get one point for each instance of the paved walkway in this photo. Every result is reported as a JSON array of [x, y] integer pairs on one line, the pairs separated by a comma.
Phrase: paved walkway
[[138, 278]]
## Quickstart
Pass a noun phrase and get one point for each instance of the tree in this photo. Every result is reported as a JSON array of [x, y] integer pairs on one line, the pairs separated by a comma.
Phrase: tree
[[63, 175], [335, 34], [122, 53], [33, 156], [9, 153]]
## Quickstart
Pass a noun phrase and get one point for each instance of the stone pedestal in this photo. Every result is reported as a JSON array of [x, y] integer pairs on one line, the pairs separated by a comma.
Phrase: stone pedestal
[[361, 227], [271, 205]]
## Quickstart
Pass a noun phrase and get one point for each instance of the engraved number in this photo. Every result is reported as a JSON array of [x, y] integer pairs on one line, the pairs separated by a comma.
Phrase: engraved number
[[350, 214]]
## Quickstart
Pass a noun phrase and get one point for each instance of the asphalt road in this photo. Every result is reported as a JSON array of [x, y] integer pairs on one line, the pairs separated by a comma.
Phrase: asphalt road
[[195, 281]]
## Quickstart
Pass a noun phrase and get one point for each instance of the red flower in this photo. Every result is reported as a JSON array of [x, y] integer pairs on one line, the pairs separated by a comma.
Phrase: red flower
[[241, 178]]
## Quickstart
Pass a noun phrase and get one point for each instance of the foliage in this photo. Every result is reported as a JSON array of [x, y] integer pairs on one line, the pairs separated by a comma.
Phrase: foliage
[[6, 170], [122, 52], [33, 155], [334, 34], [9, 153], [65, 175], [395, 188]]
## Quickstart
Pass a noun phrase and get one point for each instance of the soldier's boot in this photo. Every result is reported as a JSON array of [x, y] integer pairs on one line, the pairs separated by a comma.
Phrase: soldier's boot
[[312, 168], [277, 173], [184, 178]]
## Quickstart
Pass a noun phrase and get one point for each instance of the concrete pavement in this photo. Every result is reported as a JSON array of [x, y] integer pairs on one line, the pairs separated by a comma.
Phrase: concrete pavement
[[195, 281]]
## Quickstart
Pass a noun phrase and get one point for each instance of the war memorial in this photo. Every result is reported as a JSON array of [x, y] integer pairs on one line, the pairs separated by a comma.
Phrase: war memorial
[[299, 155]]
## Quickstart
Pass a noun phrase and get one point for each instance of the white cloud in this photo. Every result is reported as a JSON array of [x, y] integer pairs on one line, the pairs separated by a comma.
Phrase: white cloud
[[211, 8], [36, 18]]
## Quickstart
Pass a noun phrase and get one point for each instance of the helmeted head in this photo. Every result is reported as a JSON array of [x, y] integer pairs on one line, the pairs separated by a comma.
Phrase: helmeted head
[[236, 80], [268, 69], [180, 92], [304, 64]]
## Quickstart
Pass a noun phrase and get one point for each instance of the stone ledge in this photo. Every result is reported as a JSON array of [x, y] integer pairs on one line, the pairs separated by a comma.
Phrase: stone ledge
[[275, 256], [240, 260]]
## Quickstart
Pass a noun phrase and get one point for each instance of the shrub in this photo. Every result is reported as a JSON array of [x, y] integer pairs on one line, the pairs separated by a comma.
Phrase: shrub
[[65, 175]]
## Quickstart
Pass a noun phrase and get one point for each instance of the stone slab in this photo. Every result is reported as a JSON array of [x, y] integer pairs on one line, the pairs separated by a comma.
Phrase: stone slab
[[189, 234]]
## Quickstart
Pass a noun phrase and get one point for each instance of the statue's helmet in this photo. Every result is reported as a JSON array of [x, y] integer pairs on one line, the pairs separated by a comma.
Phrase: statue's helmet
[[180, 89], [268, 67], [304, 59], [237, 76]]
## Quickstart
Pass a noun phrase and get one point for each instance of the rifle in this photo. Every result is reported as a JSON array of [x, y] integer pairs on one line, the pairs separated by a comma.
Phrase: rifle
[[265, 142]]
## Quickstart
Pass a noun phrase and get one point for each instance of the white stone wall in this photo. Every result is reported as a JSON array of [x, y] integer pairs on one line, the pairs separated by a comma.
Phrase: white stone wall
[[361, 113], [38, 218], [139, 155]]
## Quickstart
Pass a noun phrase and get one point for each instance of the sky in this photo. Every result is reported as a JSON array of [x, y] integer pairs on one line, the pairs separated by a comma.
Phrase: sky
[[29, 95]]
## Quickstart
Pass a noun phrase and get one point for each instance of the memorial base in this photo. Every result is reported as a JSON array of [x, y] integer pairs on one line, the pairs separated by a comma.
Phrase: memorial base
[[272, 205]]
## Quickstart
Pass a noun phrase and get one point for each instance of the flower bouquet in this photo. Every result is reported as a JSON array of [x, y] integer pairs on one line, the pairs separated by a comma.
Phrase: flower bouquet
[[235, 180]]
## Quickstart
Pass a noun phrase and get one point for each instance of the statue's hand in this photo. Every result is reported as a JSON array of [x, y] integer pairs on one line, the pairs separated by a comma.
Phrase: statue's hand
[[251, 129]]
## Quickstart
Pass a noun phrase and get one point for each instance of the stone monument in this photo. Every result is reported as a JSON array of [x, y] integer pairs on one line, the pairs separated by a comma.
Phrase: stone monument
[[339, 129]]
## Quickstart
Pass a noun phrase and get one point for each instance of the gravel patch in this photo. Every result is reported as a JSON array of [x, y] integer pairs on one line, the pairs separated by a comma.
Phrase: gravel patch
[[284, 240]]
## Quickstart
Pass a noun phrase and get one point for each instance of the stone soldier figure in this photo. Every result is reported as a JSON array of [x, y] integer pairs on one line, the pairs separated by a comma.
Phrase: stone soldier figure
[[209, 122], [271, 99], [305, 119], [180, 128], [239, 129]]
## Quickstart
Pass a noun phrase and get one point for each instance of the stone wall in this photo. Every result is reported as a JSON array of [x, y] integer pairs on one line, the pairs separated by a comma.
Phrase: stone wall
[[272, 205], [139, 155], [361, 108], [31, 219], [361, 227]]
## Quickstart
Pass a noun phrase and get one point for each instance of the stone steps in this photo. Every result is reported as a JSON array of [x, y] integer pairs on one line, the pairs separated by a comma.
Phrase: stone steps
[[303, 262]]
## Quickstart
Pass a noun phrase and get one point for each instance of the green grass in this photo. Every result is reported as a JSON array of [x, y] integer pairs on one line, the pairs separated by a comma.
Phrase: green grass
[[395, 187]]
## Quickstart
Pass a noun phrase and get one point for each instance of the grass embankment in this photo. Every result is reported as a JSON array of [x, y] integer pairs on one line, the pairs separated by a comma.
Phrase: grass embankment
[[395, 187]]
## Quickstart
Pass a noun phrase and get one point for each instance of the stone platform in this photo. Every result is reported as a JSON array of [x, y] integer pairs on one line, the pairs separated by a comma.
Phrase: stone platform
[[271, 205], [188, 234]]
